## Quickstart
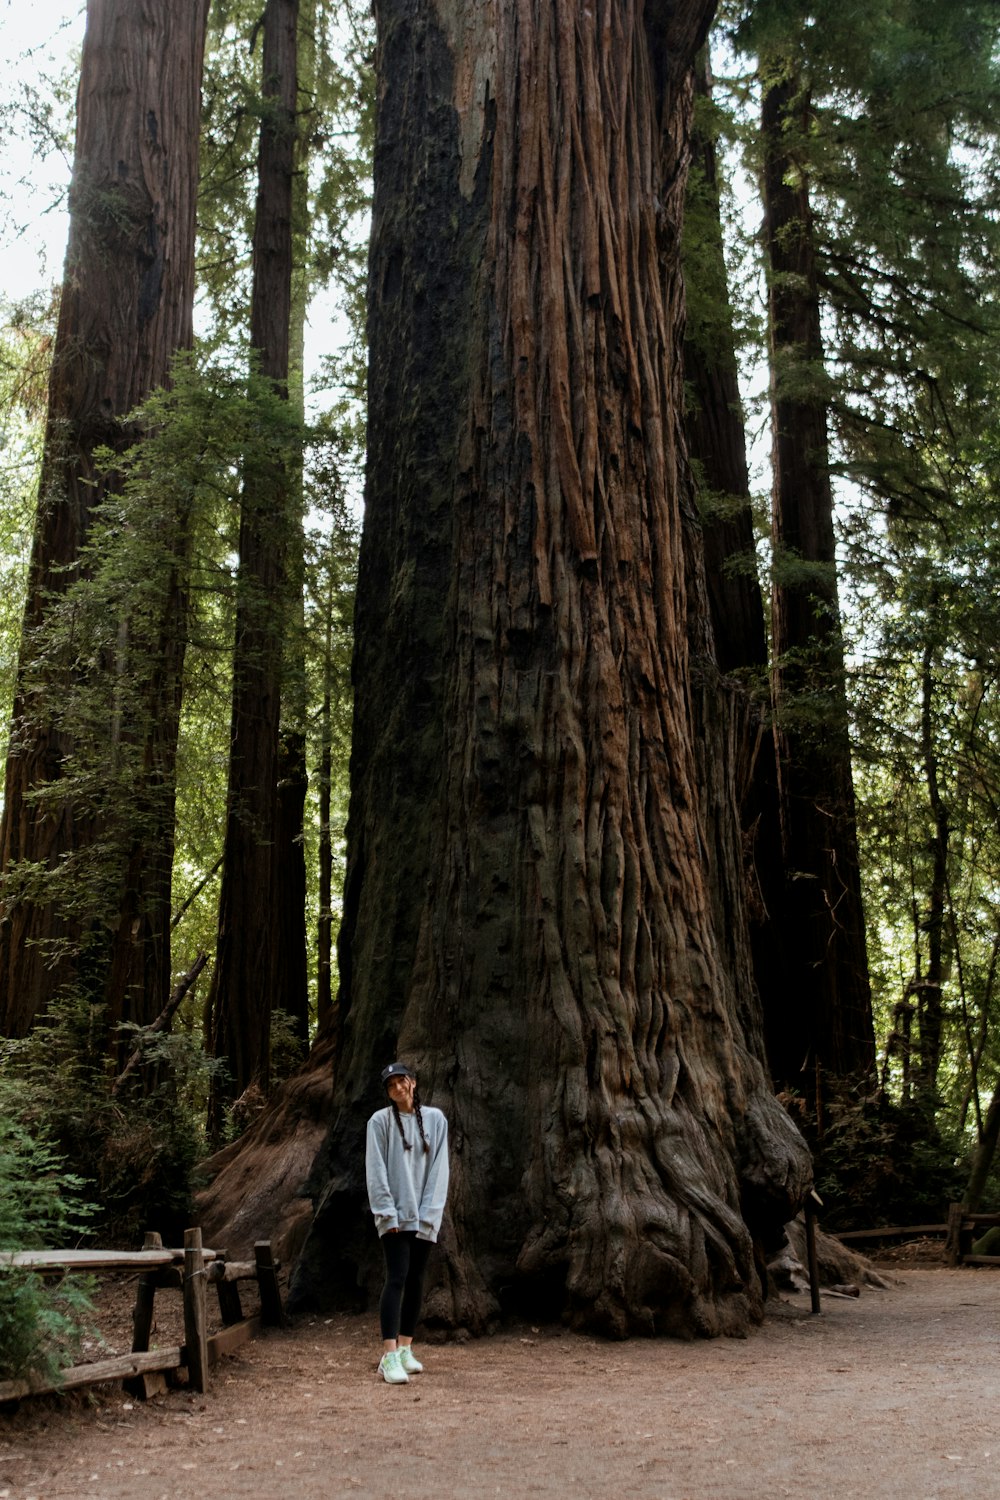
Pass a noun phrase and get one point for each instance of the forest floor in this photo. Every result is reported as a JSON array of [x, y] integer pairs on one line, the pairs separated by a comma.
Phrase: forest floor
[[895, 1394]]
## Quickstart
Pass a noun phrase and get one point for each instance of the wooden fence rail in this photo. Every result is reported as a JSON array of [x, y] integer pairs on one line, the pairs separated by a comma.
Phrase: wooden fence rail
[[192, 1269], [889, 1232], [958, 1234]]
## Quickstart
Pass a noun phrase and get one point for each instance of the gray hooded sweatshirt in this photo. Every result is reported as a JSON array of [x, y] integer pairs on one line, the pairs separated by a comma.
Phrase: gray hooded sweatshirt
[[407, 1189]]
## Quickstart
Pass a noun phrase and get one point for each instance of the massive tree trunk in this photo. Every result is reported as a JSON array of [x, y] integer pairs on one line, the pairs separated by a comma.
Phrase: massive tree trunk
[[825, 1024], [531, 893], [126, 308], [714, 428], [243, 982]]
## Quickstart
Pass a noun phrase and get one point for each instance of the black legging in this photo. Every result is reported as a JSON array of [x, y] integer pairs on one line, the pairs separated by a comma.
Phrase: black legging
[[405, 1264]]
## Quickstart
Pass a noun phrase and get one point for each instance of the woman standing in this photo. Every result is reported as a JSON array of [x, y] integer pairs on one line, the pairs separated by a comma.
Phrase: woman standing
[[406, 1163]]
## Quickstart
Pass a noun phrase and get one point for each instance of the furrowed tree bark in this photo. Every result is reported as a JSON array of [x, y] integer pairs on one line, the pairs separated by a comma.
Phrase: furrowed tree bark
[[126, 308], [529, 914], [244, 978], [825, 1023]]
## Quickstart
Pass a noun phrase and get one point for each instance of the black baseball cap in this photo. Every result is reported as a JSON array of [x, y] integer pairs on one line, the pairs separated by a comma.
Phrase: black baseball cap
[[395, 1070]]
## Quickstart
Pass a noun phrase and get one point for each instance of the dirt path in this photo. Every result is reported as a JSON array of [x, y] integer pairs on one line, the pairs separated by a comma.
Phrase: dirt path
[[894, 1395]]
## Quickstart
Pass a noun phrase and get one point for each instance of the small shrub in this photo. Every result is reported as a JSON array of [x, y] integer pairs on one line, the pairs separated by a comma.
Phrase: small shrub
[[287, 1048], [135, 1150], [879, 1162], [40, 1324]]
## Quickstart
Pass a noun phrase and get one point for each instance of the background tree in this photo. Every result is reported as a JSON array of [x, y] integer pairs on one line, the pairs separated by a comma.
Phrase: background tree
[[194, 440], [125, 310], [246, 958], [826, 1019], [329, 191], [331, 580], [715, 430], [914, 298], [888, 137]]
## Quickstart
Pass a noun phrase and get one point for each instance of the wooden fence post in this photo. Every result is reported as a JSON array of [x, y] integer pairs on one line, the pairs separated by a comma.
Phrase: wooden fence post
[[195, 1310], [230, 1305], [953, 1243], [188, 1270], [272, 1314], [142, 1313], [150, 1382]]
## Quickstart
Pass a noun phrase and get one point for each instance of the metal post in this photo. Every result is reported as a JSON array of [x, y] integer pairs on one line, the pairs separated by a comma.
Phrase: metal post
[[812, 1202]]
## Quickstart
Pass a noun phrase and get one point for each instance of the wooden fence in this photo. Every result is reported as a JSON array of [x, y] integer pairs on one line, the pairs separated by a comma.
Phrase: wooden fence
[[191, 1270], [859, 1237], [958, 1235], [962, 1229]]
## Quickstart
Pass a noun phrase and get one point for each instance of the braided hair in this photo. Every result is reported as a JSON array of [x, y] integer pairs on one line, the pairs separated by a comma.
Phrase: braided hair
[[420, 1123]]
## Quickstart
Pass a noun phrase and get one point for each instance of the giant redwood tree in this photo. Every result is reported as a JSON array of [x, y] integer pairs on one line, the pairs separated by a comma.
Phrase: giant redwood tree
[[126, 308], [538, 863]]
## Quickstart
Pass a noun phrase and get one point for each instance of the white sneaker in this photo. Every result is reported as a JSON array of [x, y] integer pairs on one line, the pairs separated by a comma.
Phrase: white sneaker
[[409, 1361], [391, 1370]]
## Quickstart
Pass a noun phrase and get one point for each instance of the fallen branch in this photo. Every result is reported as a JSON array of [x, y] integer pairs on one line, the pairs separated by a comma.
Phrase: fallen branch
[[192, 898]]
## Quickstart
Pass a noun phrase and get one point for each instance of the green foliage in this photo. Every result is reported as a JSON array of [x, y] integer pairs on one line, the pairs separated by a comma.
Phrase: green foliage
[[330, 577], [40, 1207], [159, 547], [37, 98], [336, 132], [877, 1162], [172, 523], [25, 346], [134, 1150], [173, 518], [286, 1048], [715, 312], [898, 139]]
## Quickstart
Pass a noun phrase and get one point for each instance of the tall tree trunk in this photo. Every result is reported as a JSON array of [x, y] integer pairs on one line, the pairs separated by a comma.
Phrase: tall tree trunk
[[976, 1051], [324, 925], [714, 416], [126, 308], [243, 982], [529, 907], [716, 441], [985, 1152], [291, 982], [825, 1021], [291, 993], [927, 986]]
